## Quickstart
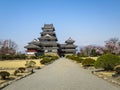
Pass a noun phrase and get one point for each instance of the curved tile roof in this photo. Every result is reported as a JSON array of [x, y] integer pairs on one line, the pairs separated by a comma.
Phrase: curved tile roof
[[70, 40], [35, 42], [47, 36], [32, 46]]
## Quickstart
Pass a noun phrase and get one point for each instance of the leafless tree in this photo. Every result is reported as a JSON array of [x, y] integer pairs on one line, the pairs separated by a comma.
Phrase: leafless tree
[[92, 50], [7, 47]]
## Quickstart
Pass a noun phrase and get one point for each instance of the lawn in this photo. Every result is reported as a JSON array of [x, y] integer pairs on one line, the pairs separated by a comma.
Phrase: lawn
[[17, 63], [107, 73], [11, 65], [95, 58]]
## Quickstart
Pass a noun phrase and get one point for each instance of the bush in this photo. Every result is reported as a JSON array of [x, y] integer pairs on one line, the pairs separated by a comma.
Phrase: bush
[[7, 57], [30, 64], [4, 74], [33, 57], [75, 58], [12, 57], [88, 62], [117, 69], [107, 61], [21, 69], [45, 60], [48, 59], [54, 57], [16, 71], [20, 56]]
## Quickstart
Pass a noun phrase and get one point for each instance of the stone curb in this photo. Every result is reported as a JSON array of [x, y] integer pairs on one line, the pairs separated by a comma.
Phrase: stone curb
[[106, 78]]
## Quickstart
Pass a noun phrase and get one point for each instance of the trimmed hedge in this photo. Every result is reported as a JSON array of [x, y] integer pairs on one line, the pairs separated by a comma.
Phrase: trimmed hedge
[[75, 58], [48, 59], [30, 64], [4, 74], [88, 62], [22, 69], [12, 57], [107, 61]]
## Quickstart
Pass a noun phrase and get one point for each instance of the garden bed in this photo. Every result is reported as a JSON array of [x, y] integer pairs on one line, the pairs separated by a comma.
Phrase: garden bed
[[12, 65]]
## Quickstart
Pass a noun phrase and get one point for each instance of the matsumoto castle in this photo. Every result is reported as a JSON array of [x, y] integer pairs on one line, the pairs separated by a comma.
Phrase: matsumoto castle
[[47, 44]]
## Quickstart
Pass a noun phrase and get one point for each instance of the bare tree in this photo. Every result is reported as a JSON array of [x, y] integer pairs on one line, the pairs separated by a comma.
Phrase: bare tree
[[7, 47], [92, 50]]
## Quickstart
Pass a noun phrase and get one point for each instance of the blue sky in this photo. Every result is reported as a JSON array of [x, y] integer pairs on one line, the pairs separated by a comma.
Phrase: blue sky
[[86, 21]]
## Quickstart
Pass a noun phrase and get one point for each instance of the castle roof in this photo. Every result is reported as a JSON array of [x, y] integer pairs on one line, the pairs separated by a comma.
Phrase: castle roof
[[47, 36], [68, 46], [35, 42], [48, 27], [71, 46], [69, 41], [50, 33], [32, 46]]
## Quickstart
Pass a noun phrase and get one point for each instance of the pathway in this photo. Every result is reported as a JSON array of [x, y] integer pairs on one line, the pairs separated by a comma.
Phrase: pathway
[[63, 74]]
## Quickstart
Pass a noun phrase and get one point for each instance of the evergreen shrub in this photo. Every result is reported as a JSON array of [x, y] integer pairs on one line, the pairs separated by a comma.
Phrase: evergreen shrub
[[4, 74], [75, 58], [107, 61], [16, 72], [48, 59], [22, 69], [88, 62], [30, 64]]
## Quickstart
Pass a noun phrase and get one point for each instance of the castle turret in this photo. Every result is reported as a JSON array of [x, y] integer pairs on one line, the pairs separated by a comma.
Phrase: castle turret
[[68, 48]]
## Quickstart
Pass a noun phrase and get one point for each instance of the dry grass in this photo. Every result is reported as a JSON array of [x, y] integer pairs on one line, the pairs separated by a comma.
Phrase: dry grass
[[8, 64], [16, 63], [95, 58], [107, 73], [13, 76]]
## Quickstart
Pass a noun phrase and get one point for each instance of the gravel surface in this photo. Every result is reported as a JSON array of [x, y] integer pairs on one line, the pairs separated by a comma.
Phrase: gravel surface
[[63, 74]]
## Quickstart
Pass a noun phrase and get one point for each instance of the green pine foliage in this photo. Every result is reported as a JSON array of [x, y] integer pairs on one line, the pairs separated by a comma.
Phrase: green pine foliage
[[107, 61], [4, 74], [88, 62], [30, 64], [75, 58], [48, 59]]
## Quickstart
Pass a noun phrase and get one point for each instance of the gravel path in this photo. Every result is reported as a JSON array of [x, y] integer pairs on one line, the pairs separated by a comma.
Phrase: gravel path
[[63, 74]]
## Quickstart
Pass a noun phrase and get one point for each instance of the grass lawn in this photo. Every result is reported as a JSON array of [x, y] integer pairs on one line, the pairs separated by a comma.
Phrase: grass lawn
[[9, 64], [95, 58], [17, 63], [107, 73], [12, 76]]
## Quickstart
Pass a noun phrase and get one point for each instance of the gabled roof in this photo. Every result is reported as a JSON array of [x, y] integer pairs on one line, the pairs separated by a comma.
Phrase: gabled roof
[[32, 46], [50, 33], [35, 42], [48, 27], [49, 43], [47, 36], [69, 41]]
